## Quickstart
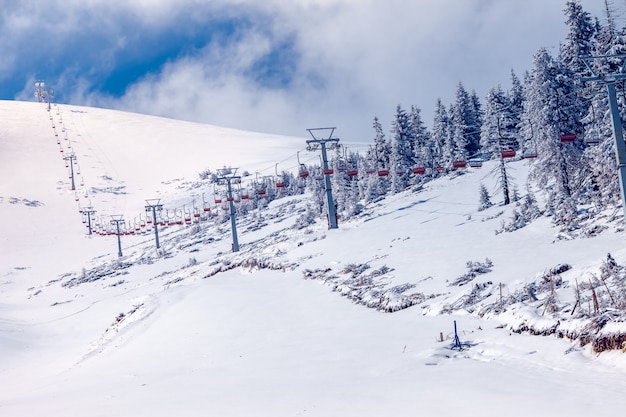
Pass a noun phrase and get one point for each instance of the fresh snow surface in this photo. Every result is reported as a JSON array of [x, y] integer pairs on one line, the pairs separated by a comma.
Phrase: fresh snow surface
[[283, 327]]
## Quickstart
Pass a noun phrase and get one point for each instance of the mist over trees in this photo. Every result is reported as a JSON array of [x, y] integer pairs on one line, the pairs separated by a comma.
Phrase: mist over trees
[[561, 124]]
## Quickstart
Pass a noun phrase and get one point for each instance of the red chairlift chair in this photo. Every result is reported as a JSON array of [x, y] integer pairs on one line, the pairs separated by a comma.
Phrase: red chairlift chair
[[508, 153]]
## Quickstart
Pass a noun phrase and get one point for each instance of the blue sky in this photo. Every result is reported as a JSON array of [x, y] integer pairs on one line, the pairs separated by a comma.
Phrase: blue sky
[[275, 66]]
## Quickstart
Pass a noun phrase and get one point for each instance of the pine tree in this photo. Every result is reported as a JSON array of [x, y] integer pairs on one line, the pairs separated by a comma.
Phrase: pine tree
[[515, 98], [382, 149], [553, 108], [422, 150], [484, 198], [401, 150], [497, 108], [579, 40], [465, 131], [380, 156], [440, 135]]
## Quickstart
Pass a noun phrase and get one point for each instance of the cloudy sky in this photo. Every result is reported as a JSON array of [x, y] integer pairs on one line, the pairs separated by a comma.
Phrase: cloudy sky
[[275, 66]]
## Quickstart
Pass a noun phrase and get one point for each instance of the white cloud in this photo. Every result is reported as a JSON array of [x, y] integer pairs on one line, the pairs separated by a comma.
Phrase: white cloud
[[356, 59]]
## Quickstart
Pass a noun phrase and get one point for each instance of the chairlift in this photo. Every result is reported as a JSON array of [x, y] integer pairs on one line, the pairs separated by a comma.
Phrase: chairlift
[[508, 153], [303, 172], [568, 137], [475, 163], [383, 172], [459, 164], [592, 138], [353, 173], [419, 170], [439, 168], [329, 171]]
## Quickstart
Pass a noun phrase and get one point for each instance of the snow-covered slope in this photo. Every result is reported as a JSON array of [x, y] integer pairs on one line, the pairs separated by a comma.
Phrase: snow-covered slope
[[283, 326]]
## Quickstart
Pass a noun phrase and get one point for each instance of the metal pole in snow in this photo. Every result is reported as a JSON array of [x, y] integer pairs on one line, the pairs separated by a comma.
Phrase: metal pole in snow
[[457, 342], [312, 145], [89, 211], [71, 157], [116, 220], [227, 175], [233, 222], [154, 205], [618, 136], [618, 133]]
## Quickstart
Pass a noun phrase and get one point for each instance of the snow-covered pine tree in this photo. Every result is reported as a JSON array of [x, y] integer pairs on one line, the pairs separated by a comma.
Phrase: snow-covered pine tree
[[454, 148], [422, 150], [381, 159], [484, 198], [369, 189], [496, 136], [466, 122], [553, 108], [401, 150], [440, 134], [515, 98], [475, 123], [497, 108], [382, 148], [579, 40], [606, 33]]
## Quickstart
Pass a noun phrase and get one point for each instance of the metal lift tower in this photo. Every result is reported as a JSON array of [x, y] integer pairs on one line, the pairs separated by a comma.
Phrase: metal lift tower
[[117, 220], [618, 133], [321, 143], [227, 177], [89, 211], [153, 206]]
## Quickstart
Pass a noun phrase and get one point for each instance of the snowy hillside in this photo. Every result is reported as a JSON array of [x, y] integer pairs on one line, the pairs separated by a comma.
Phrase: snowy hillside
[[357, 321]]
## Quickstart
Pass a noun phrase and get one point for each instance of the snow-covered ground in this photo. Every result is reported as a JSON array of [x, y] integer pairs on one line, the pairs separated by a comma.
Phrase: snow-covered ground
[[293, 324]]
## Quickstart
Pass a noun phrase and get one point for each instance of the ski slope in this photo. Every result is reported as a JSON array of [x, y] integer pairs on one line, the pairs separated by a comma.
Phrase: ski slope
[[283, 327]]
